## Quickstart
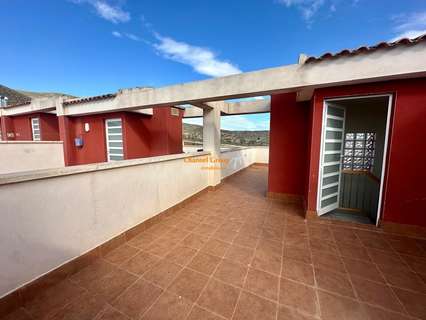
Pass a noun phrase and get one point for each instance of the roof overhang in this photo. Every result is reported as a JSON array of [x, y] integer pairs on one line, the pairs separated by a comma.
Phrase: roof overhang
[[35, 106], [393, 63]]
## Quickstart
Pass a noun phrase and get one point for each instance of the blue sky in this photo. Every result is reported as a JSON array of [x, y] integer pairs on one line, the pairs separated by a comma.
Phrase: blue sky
[[90, 47]]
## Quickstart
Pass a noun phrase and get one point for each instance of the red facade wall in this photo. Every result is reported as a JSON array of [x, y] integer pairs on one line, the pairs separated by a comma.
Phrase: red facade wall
[[288, 145], [143, 135], [405, 189], [21, 127]]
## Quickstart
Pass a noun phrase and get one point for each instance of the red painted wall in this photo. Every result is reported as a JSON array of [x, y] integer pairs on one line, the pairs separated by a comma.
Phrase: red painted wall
[[49, 127], [288, 145], [21, 127], [143, 135], [405, 188]]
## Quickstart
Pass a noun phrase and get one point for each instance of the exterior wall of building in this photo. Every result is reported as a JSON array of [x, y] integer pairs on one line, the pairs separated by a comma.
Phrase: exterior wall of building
[[288, 145], [143, 135], [20, 126], [404, 189]]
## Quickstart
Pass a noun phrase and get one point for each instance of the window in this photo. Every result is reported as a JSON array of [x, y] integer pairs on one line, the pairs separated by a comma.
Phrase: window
[[35, 128], [114, 139], [358, 152]]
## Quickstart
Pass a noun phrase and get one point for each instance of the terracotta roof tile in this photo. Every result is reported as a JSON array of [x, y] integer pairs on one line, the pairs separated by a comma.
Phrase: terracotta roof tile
[[364, 49]]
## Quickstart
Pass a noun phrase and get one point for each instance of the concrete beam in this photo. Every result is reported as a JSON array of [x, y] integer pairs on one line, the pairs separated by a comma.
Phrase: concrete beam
[[386, 64], [233, 108], [202, 105], [36, 105]]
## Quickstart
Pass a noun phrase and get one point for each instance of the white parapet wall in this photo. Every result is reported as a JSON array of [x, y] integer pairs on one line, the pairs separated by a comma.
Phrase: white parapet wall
[[240, 158], [49, 217], [16, 156]]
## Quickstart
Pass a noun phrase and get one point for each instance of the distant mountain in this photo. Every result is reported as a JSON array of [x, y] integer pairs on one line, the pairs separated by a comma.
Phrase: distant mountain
[[193, 134]]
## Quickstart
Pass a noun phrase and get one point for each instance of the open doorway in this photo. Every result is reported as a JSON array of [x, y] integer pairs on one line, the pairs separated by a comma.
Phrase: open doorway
[[353, 157]]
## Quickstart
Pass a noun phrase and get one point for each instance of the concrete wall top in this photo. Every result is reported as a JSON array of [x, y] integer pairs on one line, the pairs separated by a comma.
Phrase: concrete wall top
[[72, 170]]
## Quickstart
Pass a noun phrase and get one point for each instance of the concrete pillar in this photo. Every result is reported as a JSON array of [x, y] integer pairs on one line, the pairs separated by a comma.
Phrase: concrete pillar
[[211, 140], [64, 131]]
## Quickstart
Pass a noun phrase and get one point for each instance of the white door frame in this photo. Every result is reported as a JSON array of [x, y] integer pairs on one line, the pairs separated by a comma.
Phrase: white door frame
[[385, 150]]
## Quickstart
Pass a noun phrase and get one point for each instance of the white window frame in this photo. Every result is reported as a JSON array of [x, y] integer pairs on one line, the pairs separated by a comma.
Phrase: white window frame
[[36, 136], [107, 121]]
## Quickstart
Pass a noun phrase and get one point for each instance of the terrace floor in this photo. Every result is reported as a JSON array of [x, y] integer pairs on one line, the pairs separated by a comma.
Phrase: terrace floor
[[233, 254]]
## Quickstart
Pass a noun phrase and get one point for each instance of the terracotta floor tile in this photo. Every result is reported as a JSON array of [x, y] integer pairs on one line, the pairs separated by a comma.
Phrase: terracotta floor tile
[[327, 261], [111, 314], [158, 230], [231, 273], [238, 254], [286, 313], [189, 284], [205, 229], [251, 307], [121, 254], [417, 264], [163, 273], [142, 241], [297, 253], [225, 235], [414, 303], [335, 307], [345, 235], [194, 241], [363, 269], [176, 235], [262, 283], [272, 234], [96, 270], [188, 225], [85, 307], [181, 255], [140, 263], [169, 307], [112, 285], [198, 313], [298, 271], [336, 282], [219, 298], [246, 241], [53, 299], [205, 263], [161, 247], [353, 252], [137, 299], [407, 246], [266, 261], [320, 233], [376, 313], [376, 293], [382, 257], [19, 314], [402, 277], [215, 247], [324, 246], [298, 296]]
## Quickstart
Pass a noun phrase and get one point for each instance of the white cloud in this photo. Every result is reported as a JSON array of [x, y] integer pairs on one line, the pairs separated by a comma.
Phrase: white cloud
[[308, 8], [202, 60], [107, 11], [409, 25], [410, 34], [132, 36], [117, 34]]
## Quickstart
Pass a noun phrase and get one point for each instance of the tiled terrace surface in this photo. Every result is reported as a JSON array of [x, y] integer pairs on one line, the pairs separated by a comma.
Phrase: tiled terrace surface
[[233, 254]]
